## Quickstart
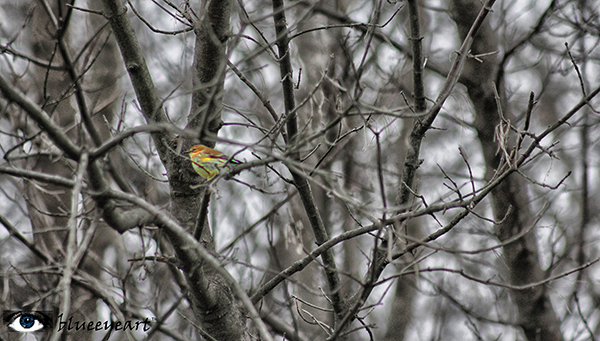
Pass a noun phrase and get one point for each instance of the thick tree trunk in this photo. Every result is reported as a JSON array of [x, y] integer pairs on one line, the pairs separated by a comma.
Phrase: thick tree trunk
[[510, 199]]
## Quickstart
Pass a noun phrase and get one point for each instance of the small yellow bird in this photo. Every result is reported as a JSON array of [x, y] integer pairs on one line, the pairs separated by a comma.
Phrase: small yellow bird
[[208, 162]]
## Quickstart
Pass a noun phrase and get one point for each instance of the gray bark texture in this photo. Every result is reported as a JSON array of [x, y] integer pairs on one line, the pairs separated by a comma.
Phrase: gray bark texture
[[510, 200]]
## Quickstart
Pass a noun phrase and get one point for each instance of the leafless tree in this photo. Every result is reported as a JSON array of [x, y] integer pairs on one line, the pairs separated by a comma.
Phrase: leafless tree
[[411, 170]]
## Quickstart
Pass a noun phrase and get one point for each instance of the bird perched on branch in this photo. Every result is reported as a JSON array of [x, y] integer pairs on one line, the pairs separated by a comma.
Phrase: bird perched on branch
[[208, 162]]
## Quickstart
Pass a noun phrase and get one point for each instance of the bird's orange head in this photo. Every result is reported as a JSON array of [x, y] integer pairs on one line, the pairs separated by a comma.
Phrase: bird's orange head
[[200, 150]]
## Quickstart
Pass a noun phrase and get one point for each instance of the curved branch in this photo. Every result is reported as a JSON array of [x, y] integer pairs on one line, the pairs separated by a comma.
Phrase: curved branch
[[150, 128], [55, 132], [200, 252]]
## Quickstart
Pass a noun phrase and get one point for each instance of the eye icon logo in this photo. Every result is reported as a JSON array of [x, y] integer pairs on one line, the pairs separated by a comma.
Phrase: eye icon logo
[[27, 321]]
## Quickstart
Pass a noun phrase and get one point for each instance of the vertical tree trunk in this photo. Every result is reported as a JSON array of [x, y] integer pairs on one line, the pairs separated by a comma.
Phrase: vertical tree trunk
[[48, 204], [510, 201]]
